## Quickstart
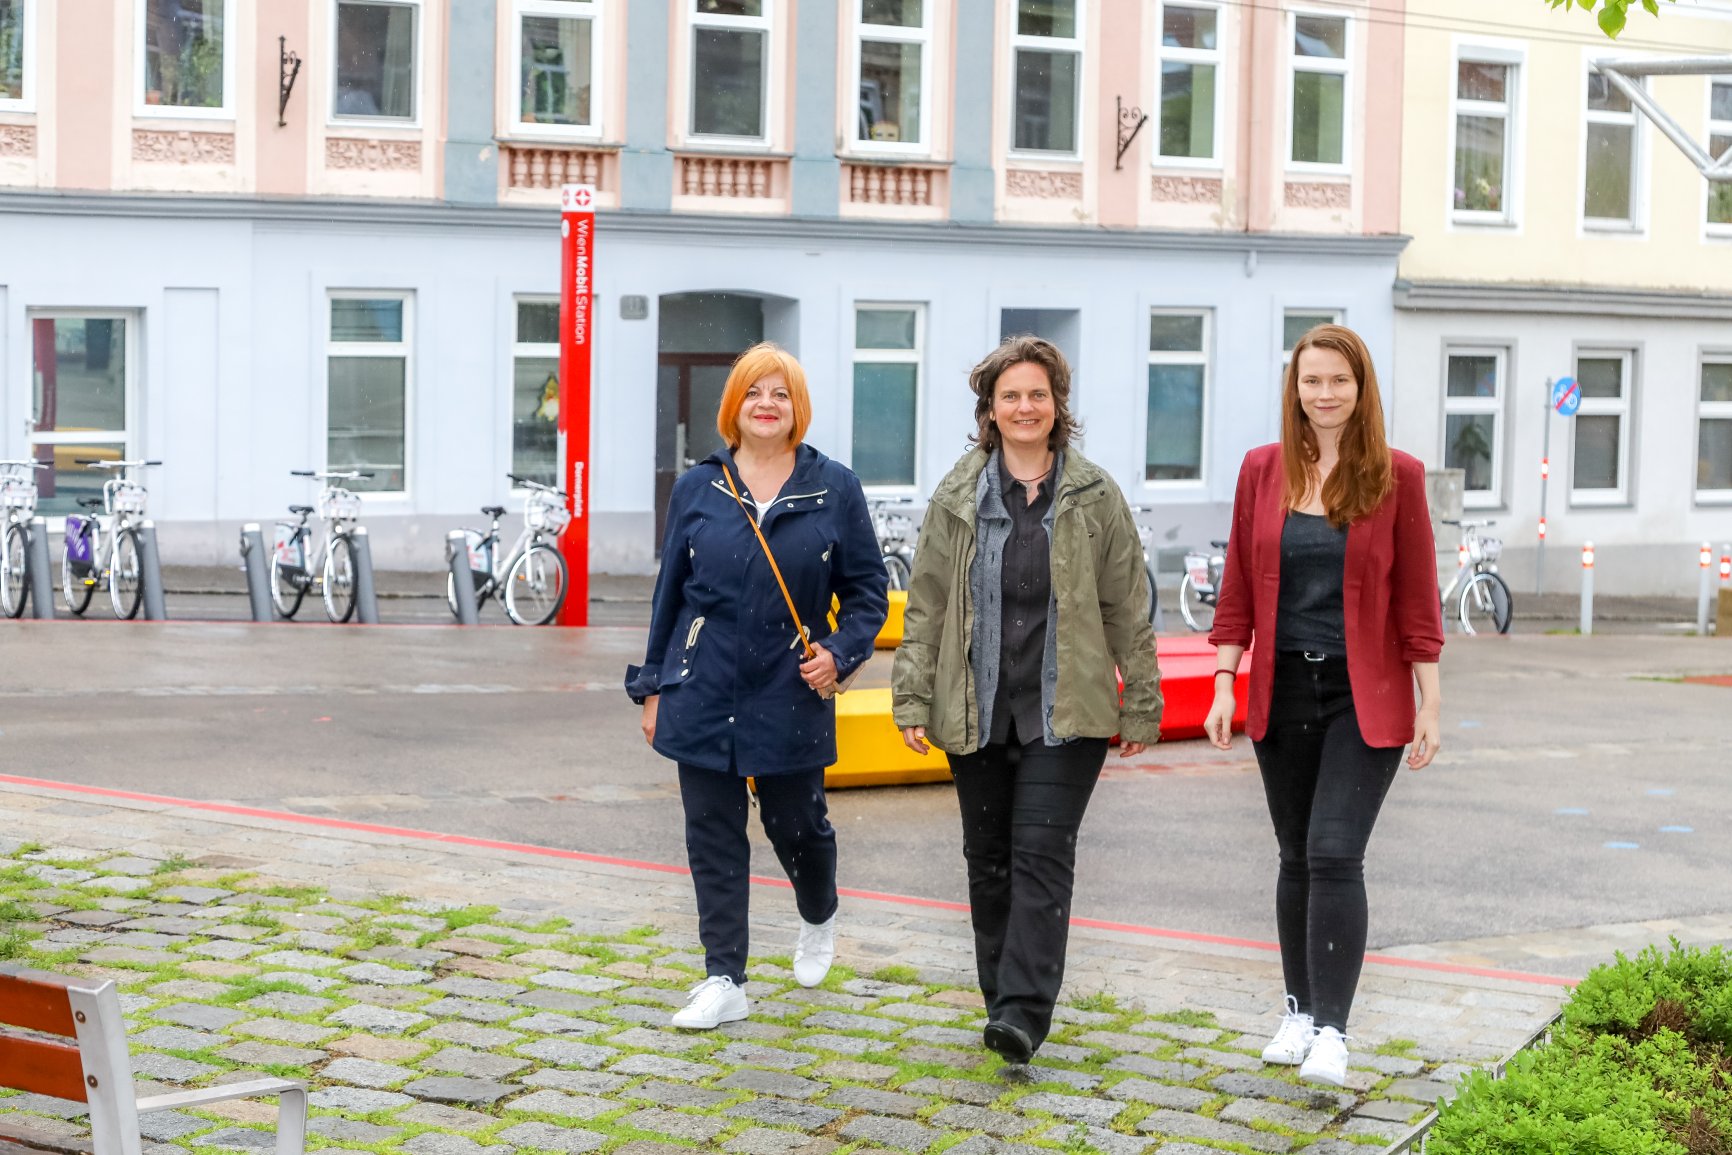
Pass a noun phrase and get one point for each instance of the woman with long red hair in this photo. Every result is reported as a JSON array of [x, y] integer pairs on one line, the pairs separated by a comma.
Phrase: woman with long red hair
[[1331, 569]]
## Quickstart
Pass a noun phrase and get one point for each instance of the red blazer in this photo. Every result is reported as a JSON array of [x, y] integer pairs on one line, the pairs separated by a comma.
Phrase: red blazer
[[1390, 597]]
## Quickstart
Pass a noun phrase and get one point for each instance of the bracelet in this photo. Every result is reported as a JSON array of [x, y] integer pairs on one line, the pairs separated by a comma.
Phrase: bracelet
[[1235, 673]]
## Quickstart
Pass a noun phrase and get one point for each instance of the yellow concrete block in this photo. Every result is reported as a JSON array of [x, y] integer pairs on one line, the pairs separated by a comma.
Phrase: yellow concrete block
[[869, 746], [891, 635]]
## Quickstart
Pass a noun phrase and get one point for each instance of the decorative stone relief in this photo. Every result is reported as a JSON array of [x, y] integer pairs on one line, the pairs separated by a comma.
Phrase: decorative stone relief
[[17, 140], [373, 155], [1025, 182], [1188, 190], [1319, 195], [159, 147]]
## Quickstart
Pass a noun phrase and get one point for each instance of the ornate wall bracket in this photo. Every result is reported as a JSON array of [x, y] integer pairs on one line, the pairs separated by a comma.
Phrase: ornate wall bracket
[[288, 67], [1131, 121]]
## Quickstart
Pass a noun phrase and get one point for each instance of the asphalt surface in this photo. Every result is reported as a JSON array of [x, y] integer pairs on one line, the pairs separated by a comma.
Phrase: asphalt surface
[[1577, 784]]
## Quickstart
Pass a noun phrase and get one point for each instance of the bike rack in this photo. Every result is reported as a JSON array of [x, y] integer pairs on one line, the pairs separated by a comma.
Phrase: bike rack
[[37, 571], [366, 600], [462, 581], [253, 562], [150, 573]]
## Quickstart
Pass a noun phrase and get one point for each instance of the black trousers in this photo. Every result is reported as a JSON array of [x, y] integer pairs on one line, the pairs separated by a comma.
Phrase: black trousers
[[797, 821], [1325, 787], [1022, 804]]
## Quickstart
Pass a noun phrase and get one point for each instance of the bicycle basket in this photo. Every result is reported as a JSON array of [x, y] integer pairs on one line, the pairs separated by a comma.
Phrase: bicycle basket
[[476, 543], [17, 494], [338, 504], [290, 550], [128, 498], [1197, 565], [546, 516], [1490, 548]]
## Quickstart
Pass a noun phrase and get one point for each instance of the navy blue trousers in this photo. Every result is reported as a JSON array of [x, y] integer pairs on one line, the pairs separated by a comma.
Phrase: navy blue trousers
[[797, 821]]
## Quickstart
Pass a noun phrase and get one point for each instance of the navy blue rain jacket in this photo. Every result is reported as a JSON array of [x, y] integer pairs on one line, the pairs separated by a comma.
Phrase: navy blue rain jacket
[[722, 649]]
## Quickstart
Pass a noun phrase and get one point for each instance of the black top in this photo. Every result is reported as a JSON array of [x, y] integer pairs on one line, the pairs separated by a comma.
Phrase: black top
[[1027, 585], [1308, 615]]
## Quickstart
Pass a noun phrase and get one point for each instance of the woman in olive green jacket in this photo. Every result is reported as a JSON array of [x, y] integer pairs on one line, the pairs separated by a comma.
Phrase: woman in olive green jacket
[[1028, 593]]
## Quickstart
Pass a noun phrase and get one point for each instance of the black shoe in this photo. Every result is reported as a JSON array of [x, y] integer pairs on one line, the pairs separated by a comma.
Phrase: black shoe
[[1009, 1043]]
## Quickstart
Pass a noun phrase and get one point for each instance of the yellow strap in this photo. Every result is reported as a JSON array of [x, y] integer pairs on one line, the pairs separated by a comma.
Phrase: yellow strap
[[774, 568]]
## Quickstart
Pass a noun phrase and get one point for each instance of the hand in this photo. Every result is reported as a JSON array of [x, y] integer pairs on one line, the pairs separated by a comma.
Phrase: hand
[[649, 720], [1131, 749], [1218, 726], [1427, 738], [820, 672], [914, 737]]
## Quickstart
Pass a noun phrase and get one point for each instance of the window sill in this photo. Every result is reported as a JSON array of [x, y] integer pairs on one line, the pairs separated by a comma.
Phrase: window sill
[[542, 135], [890, 159], [1588, 500], [1064, 160], [1614, 228], [1488, 224], [174, 115], [722, 146], [1188, 165], [1713, 498], [372, 126]]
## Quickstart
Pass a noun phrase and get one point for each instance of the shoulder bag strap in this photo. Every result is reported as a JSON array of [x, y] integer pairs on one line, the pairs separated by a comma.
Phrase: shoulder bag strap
[[774, 568]]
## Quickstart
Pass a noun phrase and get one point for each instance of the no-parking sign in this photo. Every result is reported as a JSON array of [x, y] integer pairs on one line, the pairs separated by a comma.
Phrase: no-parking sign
[[1566, 396]]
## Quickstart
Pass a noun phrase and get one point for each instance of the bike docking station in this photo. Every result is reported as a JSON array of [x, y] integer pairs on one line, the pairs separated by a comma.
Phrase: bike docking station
[[462, 578], [254, 564], [150, 574]]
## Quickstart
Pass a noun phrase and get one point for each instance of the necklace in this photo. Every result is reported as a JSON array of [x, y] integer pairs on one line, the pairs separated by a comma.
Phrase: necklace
[[1030, 480]]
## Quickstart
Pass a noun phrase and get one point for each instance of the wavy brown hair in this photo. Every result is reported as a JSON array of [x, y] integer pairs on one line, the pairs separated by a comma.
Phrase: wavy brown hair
[[983, 379], [1364, 474]]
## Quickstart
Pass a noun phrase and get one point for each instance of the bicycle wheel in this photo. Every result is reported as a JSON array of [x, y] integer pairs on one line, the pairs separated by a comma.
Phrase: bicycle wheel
[[535, 586], [288, 587], [897, 570], [1485, 605], [1196, 607], [14, 586], [77, 589], [125, 589], [340, 580]]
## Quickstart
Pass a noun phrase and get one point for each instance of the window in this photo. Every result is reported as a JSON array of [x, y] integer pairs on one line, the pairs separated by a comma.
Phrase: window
[[1599, 466], [894, 42], [367, 392], [1178, 389], [1472, 425], [887, 350], [1714, 431], [1320, 73], [730, 67], [1047, 53], [82, 388], [1719, 143], [535, 392], [1484, 140], [558, 58], [1190, 71], [375, 60], [1609, 166], [1295, 323], [15, 56], [184, 65]]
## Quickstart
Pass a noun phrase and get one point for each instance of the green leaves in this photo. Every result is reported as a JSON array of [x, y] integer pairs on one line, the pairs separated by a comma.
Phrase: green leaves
[[1612, 15]]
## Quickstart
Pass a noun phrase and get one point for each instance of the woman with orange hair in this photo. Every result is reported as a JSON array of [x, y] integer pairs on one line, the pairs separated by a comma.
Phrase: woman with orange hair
[[1331, 569], [731, 689]]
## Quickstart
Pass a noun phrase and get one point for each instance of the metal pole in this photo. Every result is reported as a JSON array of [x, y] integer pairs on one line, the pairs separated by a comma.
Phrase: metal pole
[[1545, 478], [37, 572], [150, 573], [1706, 559], [462, 581], [366, 600], [253, 562], [1587, 625]]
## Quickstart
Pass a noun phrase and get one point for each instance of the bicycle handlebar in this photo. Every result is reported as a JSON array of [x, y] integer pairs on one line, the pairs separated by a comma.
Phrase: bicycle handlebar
[[348, 474], [1457, 522], [32, 462], [100, 463], [526, 483]]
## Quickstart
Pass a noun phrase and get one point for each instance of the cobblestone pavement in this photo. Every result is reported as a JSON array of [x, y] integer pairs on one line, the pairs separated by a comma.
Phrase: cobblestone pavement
[[447, 998]]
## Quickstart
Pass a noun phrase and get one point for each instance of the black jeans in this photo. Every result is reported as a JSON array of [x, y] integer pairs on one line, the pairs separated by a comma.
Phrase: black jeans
[[1325, 787], [1022, 805], [797, 821]]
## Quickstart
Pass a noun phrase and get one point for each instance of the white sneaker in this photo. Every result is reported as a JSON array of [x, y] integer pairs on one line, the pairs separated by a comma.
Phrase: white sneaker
[[1293, 1040], [1327, 1062], [714, 1001], [815, 951]]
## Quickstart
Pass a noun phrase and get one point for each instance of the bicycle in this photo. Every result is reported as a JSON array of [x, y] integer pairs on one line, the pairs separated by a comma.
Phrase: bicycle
[[18, 503], [103, 544], [1201, 586], [334, 558], [536, 576], [1146, 535], [1485, 596], [896, 537]]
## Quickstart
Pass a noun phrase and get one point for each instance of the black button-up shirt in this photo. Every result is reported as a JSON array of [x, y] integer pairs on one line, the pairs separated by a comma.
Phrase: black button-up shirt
[[1027, 583]]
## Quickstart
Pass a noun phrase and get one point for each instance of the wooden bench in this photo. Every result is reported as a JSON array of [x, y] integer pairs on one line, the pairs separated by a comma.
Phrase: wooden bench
[[96, 1068]]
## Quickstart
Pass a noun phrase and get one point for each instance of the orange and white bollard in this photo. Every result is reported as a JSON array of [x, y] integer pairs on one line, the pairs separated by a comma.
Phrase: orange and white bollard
[[1587, 623], [1705, 561]]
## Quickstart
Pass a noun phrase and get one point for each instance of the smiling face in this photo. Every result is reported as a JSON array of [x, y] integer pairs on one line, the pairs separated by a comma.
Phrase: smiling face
[[767, 413], [1023, 407], [1328, 390]]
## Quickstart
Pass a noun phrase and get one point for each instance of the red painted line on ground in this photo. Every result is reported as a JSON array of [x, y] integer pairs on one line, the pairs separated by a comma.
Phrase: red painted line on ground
[[666, 868]]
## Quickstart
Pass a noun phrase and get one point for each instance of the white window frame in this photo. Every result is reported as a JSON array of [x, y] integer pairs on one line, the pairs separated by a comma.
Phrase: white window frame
[[1054, 44], [1335, 318], [404, 349], [128, 438], [1211, 56], [1513, 113], [231, 44], [1710, 411], [418, 89], [1494, 407], [1342, 67], [893, 34], [765, 25], [591, 10], [1715, 128], [1202, 356], [916, 357], [1638, 220], [1621, 407], [521, 349], [26, 102]]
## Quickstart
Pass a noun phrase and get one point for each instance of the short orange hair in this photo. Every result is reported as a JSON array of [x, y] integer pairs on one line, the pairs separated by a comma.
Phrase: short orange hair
[[752, 366]]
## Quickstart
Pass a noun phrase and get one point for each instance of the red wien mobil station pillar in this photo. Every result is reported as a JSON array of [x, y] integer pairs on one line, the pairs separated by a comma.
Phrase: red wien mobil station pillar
[[576, 340]]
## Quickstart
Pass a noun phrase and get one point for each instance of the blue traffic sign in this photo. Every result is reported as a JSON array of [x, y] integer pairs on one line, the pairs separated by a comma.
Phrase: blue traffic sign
[[1566, 396]]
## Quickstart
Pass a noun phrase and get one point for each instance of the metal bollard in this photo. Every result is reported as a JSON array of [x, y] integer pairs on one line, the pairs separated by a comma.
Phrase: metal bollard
[[253, 562], [1587, 625], [1706, 560], [150, 573], [366, 600], [37, 571], [462, 581]]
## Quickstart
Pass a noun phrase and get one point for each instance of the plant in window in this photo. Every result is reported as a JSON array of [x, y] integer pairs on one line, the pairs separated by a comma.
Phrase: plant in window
[[202, 63], [1471, 445]]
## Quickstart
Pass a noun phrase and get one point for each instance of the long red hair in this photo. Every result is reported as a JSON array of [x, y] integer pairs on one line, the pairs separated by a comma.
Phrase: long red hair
[[1364, 474]]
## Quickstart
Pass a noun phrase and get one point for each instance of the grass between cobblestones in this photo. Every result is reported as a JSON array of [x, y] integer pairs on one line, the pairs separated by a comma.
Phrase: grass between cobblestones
[[432, 1030]]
